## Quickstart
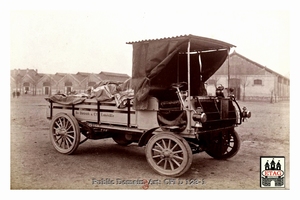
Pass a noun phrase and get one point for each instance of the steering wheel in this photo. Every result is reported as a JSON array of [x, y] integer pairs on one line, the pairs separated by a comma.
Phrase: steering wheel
[[179, 85]]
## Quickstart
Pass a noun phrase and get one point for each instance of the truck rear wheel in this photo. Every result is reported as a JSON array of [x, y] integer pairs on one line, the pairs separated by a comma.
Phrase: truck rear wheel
[[64, 133], [224, 144], [169, 154]]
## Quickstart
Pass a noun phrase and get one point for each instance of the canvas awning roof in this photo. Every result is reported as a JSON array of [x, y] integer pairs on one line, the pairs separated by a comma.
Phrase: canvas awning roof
[[151, 57], [198, 43]]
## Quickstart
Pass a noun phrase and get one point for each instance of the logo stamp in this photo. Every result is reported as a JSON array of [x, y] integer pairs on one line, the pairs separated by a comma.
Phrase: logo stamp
[[272, 171]]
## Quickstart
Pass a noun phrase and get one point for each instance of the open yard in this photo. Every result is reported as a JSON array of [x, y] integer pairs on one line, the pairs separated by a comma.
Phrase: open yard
[[102, 164]]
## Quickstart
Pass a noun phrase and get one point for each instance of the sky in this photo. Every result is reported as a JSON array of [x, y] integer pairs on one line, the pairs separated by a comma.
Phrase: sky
[[71, 39]]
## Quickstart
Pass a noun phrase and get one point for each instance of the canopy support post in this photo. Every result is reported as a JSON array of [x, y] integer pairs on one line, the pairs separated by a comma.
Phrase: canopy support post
[[189, 87], [228, 50], [200, 64]]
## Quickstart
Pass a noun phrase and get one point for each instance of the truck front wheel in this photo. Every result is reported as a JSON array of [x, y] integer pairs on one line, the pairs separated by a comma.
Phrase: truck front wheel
[[169, 154]]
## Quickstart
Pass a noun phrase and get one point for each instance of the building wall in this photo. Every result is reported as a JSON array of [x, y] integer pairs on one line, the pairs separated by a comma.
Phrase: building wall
[[49, 84], [255, 82], [27, 85], [254, 91]]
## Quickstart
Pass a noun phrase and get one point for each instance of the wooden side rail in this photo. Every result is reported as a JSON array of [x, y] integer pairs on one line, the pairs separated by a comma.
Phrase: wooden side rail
[[100, 112]]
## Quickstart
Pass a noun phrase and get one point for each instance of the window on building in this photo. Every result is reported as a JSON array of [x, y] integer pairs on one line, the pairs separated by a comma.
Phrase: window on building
[[257, 82]]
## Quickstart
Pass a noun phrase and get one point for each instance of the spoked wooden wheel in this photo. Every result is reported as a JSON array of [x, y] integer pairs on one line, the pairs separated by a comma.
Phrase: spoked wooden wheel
[[169, 154], [65, 133], [224, 144]]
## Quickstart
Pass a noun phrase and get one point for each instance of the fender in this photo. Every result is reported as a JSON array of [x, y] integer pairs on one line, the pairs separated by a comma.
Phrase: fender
[[146, 136], [86, 130]]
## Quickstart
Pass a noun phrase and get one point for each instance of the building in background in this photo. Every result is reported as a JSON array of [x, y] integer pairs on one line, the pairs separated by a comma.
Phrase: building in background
[[29, 81], [250, 80], [24, 80]]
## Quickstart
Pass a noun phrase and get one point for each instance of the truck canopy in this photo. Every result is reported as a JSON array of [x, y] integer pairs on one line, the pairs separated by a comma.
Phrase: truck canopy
[[158, 63]]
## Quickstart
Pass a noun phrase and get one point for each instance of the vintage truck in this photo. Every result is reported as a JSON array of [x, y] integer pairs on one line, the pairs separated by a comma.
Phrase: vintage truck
[[163, 107]]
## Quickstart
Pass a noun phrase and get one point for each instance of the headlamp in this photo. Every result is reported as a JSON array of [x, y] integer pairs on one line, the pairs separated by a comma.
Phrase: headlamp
[[246, 113], [199, 115]]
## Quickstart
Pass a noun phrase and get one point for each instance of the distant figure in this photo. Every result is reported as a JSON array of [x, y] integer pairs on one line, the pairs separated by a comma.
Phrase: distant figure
[[18, 94], [219, 91], [14, 94]]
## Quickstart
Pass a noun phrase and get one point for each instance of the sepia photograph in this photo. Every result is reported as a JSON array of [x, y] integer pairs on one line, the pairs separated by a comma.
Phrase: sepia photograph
[[156, 95]]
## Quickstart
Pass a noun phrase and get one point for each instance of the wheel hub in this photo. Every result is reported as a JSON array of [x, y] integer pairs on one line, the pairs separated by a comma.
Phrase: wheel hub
[[166, 153], [61, 131]]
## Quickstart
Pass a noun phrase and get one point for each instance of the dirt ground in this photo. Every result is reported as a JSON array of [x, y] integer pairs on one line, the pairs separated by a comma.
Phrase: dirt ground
[[102, 164]]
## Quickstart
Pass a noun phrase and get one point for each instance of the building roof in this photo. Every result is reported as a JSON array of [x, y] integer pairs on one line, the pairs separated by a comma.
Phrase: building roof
[[83, 73], [80, 76], [23, 72], [257, 64], [113, 76]]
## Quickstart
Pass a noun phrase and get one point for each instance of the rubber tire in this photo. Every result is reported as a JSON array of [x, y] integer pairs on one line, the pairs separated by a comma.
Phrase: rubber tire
[[228, 154], [183, 145]]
